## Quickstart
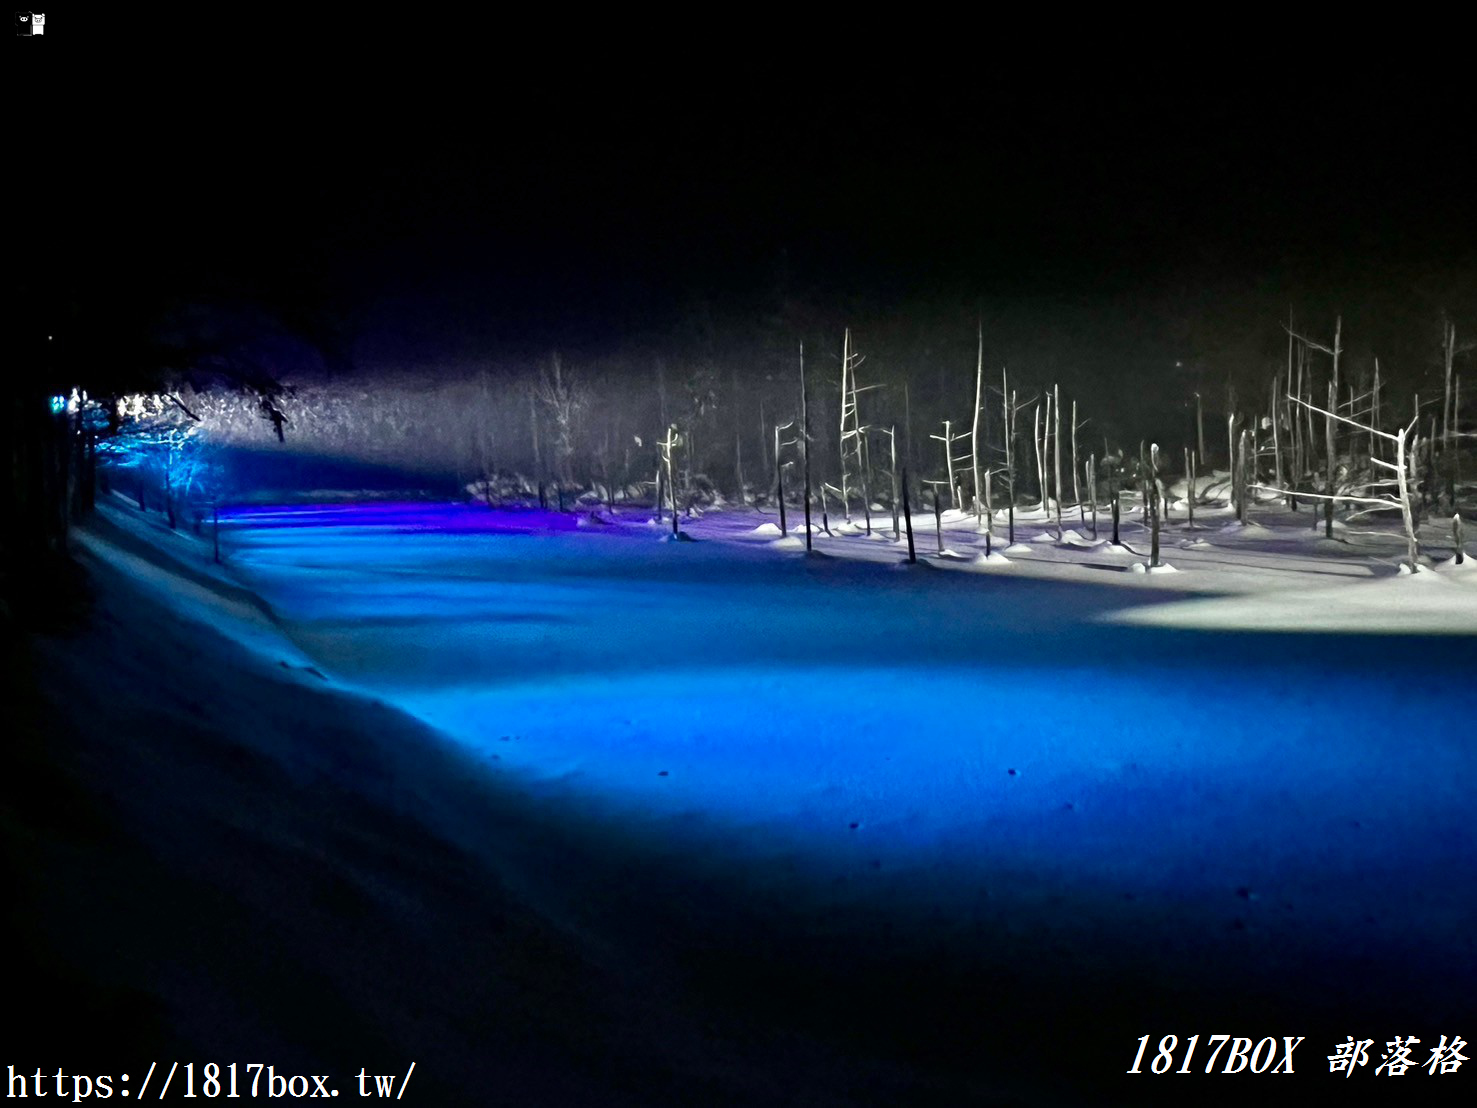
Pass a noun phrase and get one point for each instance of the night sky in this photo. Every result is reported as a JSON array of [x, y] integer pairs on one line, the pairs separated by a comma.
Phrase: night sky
[[1103, 221]]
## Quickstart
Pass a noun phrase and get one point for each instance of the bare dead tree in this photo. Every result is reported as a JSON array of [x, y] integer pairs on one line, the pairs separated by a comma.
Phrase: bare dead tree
[[779, 471], [1056, 392], [949, 438], [1190, 482], [1153, 506], [1335, 352], [1401, 468], [1092, 489], [1076, 488], [669, 443], [1242, 482], [908, 519], [850, 437], [1041, 456], [1200, 424], [980, 510], [805, 444]]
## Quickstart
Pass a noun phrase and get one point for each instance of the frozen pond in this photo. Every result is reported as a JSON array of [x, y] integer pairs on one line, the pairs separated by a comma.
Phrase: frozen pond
[[970, 764]]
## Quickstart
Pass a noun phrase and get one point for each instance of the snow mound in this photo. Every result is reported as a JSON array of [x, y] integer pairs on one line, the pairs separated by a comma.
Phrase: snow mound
[[992, 559], [1045, 536], [766, 530], [1144, 567], [947, 553], [789, 542], [1118, 548], [1425, 572], [845, 529], [1018, 548], [878, 536], [1076, 541], [1468, 565], [1195, 544], [680, 536]]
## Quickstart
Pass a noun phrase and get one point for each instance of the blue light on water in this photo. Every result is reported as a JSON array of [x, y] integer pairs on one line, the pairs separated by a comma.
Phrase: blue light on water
[[58, 405]]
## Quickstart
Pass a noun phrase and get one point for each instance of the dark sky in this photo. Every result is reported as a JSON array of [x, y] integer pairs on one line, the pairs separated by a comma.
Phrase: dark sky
[[559, 203]]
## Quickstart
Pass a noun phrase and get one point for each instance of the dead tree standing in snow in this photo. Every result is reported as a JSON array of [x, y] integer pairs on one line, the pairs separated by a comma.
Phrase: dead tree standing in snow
[[779, 473], [1200, 424], [668, 445], [1190, 485], [938, 516], [1092, 489], [1111, 464], [1404, 497], [1056, 391], [1008, 399], [1242, 482], [851, 436], [1041, 456], [908, 518], [1154, 506], [974, 435], [948, 438], [1076, 489], [805, 442], [1330, 416]]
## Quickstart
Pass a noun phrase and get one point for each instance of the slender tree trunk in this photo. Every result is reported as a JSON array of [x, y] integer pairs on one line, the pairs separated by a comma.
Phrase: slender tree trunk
[[1243, 484], [779, 482], [1413, 548], [974, 435], [1190, 480], [1076, 488], [1153, 525], [1008, 399], [1092, 489], [805, 443], [892, 444], [938, 519], [1329, 429], [1056, 391], [1374, 414], [1231, 460], [948, 461], [1276, 434], [1200, 424], [845, 372], [908, 518], [1446, 410], [1040, 461]]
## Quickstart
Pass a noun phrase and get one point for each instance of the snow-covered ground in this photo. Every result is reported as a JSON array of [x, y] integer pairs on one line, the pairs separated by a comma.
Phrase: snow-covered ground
[[982, 823]]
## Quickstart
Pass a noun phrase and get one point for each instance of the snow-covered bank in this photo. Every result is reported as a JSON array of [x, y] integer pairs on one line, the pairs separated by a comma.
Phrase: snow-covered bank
[[790, 829]]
